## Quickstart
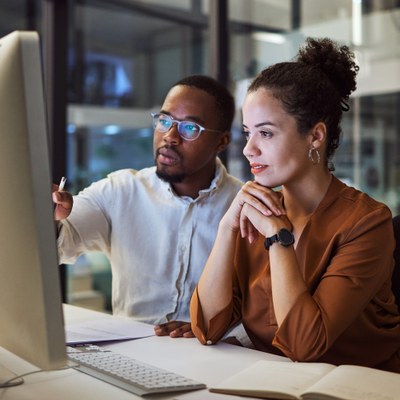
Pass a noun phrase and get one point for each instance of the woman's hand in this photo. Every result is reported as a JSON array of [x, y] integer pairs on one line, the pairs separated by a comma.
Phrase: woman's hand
[[258, 210], [261, 198], [253, 222]]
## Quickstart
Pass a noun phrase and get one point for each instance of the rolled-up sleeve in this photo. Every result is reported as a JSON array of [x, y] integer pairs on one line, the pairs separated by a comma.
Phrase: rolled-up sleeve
[[216, 327], [88, 226]]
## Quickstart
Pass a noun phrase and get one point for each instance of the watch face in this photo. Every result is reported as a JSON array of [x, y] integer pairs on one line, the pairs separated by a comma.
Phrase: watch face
[[286, 237]]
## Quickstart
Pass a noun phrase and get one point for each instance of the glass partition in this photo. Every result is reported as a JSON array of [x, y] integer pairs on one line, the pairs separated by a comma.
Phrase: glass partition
[[368, 156], [124, 55], [123, 59], [19, 14]]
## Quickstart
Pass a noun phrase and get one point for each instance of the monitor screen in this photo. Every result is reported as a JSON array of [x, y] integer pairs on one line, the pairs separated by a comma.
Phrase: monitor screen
[[30, 299]]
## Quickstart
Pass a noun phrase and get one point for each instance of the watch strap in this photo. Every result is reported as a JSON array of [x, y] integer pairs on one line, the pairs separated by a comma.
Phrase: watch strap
[[283, 237], [270, 241]]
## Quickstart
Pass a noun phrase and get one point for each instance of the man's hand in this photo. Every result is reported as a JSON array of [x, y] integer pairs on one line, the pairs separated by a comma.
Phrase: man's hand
[[174, 329], [63, 201]]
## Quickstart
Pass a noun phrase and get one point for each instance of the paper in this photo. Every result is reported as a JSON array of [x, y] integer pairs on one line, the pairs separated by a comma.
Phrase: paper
[[106, 330]]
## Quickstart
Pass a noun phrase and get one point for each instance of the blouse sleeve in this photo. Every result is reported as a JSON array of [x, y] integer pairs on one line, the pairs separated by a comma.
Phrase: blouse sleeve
[[216, 327], [357, 267], [219, 324]]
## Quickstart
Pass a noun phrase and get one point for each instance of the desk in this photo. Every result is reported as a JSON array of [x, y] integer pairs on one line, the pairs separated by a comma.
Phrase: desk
[[207, 364]]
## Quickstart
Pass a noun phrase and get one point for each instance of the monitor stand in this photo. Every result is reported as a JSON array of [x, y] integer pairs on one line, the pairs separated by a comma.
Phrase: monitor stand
[[8, 378]]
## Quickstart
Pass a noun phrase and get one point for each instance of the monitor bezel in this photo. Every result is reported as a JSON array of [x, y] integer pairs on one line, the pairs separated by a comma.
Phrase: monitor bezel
[[30, 292]]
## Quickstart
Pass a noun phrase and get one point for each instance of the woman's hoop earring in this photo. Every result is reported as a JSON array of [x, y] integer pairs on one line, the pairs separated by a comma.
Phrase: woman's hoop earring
[[317, 158]]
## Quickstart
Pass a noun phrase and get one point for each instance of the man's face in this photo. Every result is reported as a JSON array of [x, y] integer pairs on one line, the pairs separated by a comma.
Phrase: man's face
[[179, 160]]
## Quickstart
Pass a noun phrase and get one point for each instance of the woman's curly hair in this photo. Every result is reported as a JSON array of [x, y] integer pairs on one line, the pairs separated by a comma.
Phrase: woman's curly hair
[[314, 87]]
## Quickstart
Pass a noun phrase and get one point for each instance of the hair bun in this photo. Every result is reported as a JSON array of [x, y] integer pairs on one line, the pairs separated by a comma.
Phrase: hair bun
[[337, 63]]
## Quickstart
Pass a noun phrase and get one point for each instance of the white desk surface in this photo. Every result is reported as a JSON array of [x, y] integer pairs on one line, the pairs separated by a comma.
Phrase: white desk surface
[[207, 364]]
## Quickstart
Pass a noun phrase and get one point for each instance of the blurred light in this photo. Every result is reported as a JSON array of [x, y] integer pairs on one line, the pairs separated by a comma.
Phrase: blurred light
[[71, 128], [276, 38], [144, 132], [357, 22], [112, 129]]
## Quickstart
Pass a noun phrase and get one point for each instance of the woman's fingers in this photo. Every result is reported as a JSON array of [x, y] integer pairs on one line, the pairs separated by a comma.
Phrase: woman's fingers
[[263, 199]]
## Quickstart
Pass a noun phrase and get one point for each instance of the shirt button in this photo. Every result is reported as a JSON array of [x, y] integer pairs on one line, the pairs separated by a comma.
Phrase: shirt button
[[209, 342]]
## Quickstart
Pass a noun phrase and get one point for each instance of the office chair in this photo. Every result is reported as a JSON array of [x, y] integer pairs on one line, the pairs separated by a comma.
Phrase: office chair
[[396, 271]]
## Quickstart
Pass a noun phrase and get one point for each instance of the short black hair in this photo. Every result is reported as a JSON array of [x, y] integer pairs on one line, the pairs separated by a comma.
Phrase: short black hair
[[224, 101]]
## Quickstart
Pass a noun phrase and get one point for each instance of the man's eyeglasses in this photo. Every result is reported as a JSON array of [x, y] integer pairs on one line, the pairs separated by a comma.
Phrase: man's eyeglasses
[[187, 130]]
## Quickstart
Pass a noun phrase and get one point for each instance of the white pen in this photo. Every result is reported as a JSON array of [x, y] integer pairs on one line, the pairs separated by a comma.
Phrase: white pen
[[62, 184]]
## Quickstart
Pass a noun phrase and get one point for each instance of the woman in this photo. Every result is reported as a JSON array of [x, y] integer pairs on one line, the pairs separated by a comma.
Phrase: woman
[[307, 269]]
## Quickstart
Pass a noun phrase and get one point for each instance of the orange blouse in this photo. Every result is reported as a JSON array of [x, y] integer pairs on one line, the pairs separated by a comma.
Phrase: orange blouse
[[345, 254]]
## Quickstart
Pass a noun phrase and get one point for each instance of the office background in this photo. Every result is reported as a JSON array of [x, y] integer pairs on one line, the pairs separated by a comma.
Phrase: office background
[[109, 63]]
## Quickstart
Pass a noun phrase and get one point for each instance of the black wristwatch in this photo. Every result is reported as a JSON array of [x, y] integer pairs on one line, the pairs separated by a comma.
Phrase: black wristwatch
[[283, 237]]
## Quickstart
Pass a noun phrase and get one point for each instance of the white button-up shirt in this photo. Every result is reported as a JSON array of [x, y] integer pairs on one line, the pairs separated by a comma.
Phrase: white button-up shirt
[[157, 242]]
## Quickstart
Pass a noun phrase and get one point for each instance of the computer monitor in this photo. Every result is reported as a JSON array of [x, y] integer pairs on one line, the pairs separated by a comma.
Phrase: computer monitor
[[30, 301]]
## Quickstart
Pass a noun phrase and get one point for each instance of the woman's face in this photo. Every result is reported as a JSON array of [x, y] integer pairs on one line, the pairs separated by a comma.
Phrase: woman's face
[[277, 153]]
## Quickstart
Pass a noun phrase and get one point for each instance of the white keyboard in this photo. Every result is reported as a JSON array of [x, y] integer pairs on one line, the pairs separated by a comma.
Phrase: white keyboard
[[127, 373]]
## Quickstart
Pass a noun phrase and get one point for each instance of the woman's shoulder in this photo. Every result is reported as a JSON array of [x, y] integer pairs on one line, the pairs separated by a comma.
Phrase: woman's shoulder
[[353, 199]]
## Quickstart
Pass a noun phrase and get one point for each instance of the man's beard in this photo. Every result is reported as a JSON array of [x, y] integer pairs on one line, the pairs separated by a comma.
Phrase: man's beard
[[162, 173], [170, 178]]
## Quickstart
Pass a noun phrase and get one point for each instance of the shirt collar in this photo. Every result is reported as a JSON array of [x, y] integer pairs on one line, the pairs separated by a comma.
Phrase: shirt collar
[[220, 172]]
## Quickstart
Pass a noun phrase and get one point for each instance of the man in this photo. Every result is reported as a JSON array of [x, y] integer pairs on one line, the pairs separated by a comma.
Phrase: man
[[157, 225]]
